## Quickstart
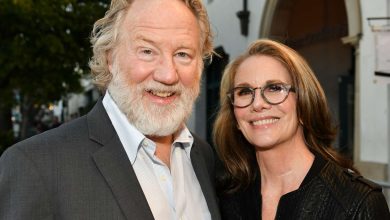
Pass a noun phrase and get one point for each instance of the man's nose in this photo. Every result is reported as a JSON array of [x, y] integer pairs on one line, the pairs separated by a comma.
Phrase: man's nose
[[166, 72]]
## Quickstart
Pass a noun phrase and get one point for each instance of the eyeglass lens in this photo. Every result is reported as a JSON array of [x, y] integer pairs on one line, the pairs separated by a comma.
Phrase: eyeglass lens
[[271, 93]]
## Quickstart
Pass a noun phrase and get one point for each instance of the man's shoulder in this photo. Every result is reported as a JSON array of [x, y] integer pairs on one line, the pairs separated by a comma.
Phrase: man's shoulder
[[200, 141], [202, 145], [66, 134]]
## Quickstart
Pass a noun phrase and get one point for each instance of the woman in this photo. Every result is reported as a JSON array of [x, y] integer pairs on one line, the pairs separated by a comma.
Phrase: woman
[[274, 134]]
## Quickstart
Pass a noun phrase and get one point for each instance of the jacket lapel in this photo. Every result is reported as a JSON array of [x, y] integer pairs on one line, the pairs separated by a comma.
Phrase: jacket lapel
[[204, 177], [115, 167]]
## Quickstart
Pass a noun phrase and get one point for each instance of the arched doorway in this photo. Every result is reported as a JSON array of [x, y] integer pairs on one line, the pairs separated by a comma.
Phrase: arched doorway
[[314, 28]]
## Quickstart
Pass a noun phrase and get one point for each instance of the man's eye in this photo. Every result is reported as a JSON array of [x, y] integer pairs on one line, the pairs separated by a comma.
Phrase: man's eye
[[183, 57], [147, 51], [146, 54], [243, 91], [182, 54]]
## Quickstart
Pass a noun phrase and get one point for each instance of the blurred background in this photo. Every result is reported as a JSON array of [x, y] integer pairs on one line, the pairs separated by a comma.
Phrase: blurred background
[[44, 76], [44, 52]]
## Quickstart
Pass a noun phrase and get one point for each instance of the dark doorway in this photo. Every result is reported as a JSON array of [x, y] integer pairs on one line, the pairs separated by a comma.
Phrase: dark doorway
[[314, 28], [214, 73]]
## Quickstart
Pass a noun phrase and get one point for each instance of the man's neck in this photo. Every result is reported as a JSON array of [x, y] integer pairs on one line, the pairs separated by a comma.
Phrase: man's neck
[[163, 148]]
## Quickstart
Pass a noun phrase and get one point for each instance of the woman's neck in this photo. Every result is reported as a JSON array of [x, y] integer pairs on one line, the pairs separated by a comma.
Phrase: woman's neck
[[284, 167]]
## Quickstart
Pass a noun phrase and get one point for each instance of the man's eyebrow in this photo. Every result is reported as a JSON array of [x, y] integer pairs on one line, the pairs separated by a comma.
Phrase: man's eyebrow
[[182, 45], [140, 37]]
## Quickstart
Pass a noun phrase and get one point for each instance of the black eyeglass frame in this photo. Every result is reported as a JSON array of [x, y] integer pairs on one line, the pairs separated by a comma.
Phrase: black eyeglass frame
[[286, 87]]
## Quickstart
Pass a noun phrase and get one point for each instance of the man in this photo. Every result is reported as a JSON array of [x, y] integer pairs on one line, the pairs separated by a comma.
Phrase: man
[[131, 157]]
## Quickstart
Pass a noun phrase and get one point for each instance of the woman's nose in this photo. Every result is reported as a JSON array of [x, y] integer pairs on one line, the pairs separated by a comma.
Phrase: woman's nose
[[259, 103]]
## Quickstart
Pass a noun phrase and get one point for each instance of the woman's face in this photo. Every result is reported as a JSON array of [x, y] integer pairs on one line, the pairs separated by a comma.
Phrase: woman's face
[[265, 125]]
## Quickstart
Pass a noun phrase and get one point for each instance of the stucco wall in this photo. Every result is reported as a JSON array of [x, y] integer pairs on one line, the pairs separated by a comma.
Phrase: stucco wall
[[374, 98], [226, 25]]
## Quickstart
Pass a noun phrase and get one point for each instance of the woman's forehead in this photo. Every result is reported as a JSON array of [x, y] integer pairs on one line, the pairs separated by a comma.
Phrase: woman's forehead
[[260, 69]]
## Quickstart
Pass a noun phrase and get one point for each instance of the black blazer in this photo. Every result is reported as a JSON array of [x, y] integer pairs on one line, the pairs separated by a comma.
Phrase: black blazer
[[80, 171]]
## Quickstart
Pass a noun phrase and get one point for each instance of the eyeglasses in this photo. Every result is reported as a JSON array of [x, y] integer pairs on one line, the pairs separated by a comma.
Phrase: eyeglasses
[[273, 94]]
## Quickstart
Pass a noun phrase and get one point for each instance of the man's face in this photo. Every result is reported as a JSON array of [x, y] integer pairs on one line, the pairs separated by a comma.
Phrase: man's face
[[156, 66]]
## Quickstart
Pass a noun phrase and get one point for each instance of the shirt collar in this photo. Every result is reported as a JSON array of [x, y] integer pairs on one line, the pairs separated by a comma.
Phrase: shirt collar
[[129, 136], [185, 139]]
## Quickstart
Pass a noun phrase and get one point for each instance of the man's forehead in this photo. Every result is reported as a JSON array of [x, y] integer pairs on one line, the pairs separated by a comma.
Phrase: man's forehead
[[154, 9], [161, 13], [148, 18], [162, 21]]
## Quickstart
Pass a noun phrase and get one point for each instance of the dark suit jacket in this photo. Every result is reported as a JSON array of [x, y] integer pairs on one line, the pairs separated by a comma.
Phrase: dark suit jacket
[[80, 171]]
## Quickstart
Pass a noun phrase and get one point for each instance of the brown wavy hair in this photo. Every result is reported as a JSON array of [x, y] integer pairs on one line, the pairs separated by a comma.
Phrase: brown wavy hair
[[105, 35], [236, 153]]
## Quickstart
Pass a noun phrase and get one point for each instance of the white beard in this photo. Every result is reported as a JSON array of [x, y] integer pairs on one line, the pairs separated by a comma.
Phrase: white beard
[[148, 117]]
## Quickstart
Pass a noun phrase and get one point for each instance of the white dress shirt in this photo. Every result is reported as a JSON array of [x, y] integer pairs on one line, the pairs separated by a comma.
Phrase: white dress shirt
[[171, 194]]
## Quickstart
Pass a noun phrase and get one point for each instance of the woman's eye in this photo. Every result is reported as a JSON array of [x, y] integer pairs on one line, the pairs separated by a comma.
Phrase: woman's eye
[[274, 88], [244, 91]]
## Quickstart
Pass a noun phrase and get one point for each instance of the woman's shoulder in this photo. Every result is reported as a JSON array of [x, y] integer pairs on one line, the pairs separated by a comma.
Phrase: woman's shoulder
[[339, 178], [354, 192]]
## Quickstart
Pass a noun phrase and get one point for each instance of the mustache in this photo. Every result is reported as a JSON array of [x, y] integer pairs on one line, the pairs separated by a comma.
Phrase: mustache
[[159, 87]]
